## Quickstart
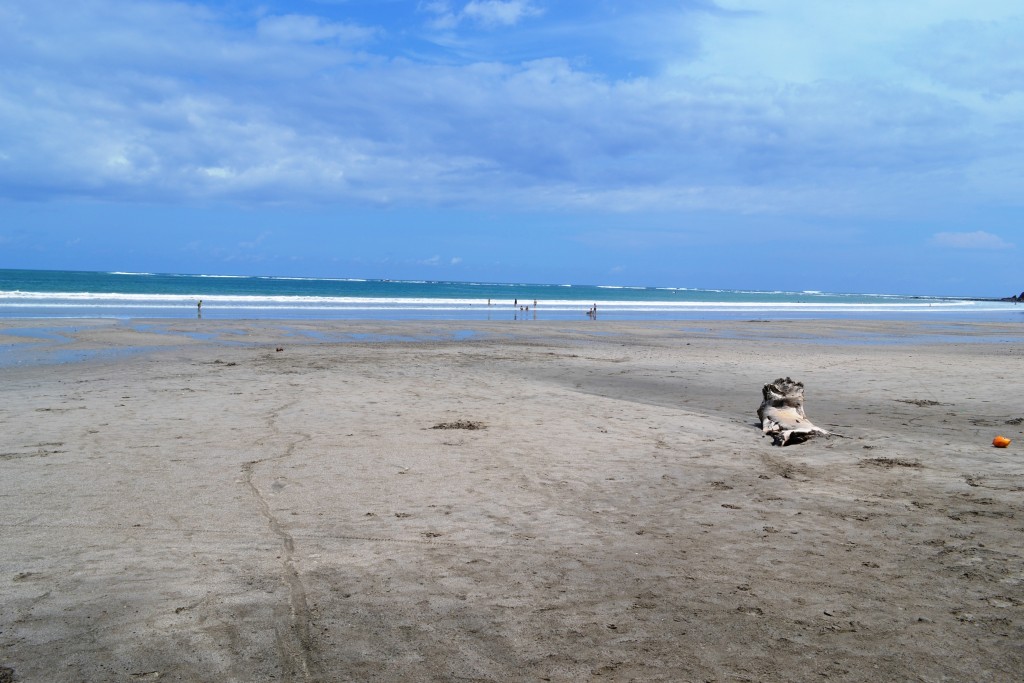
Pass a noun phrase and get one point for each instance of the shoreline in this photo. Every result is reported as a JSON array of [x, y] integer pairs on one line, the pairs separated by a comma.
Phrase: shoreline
[[32, 341], [630, 312], [415, 501]]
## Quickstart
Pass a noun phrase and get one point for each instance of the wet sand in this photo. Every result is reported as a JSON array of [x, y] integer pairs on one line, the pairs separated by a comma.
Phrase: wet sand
[[181, 501]]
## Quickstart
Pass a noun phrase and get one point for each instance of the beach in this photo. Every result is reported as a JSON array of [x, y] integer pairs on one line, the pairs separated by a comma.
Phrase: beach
[[202, 500]]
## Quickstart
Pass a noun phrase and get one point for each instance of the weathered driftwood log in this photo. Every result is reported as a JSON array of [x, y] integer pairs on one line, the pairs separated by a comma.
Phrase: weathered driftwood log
[[782, 413]]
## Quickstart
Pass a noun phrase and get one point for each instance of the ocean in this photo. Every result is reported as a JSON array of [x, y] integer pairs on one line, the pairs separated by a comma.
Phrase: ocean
[[123, 295]]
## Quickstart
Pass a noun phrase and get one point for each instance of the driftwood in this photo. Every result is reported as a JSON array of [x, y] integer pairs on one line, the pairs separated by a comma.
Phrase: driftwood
[[782, 413]]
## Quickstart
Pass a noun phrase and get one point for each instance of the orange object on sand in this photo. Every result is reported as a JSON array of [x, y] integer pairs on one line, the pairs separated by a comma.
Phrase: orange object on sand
[[1000, 442]]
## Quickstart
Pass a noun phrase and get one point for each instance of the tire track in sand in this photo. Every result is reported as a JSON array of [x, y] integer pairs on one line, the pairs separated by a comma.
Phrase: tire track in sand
[[296, 642]]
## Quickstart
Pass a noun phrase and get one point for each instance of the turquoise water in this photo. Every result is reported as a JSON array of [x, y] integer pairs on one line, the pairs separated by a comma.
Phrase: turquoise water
[[78, 294]]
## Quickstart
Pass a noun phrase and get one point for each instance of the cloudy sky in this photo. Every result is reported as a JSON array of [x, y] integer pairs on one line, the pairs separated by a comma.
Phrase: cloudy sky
[[869, 146]]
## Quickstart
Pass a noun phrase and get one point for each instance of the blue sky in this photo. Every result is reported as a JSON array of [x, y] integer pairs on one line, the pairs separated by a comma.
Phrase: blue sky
[[869, 146]]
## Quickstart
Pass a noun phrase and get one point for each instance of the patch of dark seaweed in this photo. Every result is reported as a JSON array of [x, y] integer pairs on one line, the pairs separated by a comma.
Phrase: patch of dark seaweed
[[891, 462], [460, 424]]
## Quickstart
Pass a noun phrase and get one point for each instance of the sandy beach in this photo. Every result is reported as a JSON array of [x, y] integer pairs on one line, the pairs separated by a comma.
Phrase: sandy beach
[[531, 501]]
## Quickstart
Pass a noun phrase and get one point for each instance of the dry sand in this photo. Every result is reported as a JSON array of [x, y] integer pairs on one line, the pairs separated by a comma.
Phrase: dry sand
[[207, 508]]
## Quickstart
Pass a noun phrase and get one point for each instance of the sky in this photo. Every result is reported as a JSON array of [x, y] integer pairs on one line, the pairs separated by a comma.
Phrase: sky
[[869, 146]]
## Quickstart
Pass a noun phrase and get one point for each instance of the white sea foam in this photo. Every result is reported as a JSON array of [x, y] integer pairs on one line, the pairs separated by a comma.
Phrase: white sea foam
[[629, 306], [9, 298], [309, 279]]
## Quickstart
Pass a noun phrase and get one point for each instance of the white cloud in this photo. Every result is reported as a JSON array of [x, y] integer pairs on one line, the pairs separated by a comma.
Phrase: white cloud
[[800, 41], [443, 17], [217, 172], [255, 243], [499, 13], [301, 28], [438, 261], [167, 101], [486, 13], [979, 239], [985, 57]]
